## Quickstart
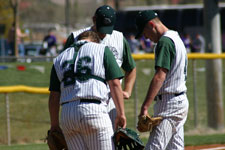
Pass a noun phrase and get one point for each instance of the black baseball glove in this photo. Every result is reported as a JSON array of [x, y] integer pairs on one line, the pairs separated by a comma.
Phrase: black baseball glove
[[127, 139], [56, 140]]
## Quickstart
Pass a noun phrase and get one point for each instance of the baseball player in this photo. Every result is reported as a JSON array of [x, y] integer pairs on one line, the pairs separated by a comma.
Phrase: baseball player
[[103, 24], [79, 79], [168, 86]]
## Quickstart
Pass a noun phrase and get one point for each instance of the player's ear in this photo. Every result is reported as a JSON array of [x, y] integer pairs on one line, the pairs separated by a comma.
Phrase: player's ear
[[151, 24], [94, 19]]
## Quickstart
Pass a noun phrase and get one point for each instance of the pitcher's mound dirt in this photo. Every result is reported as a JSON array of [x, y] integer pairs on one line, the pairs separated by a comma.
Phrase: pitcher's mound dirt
[[206, 147]]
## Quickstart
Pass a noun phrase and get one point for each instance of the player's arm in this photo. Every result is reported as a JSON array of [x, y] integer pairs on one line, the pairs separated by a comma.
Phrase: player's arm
[[129, 67], [165, 53], [130, 77], [116, 93], [70, 40], [54, 99], [113, 74], [153, 89], [53, 105]]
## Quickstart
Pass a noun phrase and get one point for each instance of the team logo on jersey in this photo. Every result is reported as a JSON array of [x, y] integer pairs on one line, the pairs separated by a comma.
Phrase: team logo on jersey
[[114, 51]]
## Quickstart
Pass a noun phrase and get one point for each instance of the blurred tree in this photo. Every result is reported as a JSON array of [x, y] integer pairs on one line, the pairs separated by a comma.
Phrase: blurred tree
[[74, 14], [6, 15], [81, 11], [156, 2], [191, 1], [15, 5], [67, 15], [42, 11], [163, 2]]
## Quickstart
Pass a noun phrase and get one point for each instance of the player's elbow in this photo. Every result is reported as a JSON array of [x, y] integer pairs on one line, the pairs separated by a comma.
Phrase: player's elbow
[[114, 83]]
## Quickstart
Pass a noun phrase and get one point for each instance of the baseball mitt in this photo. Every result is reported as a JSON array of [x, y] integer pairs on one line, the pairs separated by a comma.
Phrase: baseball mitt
[[146, 123], [127, 139], [56, 140]]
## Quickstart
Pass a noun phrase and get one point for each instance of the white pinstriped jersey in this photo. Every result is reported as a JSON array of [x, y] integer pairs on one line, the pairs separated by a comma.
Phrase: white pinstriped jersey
[[175, 81], [114, 41], [88, 56]]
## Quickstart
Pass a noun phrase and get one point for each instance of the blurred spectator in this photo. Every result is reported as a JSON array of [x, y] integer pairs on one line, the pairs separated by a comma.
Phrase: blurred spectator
[[187, 42], [11, 42], [134, 43], [49, 44], [146, 45], [198, 44], [3, 47]]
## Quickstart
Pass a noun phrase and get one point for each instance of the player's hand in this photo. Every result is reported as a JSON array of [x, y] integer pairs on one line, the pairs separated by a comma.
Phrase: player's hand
[[126, 95], [120, 121], [143, 112], [55, 128]]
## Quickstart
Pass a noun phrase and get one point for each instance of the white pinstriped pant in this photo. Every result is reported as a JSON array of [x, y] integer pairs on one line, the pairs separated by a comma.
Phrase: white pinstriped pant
[[169, 134], [86, 126], [111, 108]]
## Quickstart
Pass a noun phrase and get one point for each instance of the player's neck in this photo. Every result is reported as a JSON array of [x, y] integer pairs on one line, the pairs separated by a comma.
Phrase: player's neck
[[93, 28]]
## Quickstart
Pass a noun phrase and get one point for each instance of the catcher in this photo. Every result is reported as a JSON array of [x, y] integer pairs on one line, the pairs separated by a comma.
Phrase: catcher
[[79, 82]]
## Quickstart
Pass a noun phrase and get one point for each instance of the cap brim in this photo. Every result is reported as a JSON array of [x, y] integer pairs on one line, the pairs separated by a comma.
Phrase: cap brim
[[105, 29]]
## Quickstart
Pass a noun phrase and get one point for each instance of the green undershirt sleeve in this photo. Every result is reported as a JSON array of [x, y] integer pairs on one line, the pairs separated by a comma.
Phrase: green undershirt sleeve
[[128, 61], [165, 53]]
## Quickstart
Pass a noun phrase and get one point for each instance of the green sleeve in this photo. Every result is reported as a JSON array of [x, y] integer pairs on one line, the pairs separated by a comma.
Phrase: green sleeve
[[54, 81], [128, 61], [69, 41], [165, 53], [112, 70]]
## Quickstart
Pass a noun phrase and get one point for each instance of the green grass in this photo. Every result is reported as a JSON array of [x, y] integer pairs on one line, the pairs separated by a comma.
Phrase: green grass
[[205, 140], [189, 140], [29, 112], [192, 140], [32, 76], [25, 147]]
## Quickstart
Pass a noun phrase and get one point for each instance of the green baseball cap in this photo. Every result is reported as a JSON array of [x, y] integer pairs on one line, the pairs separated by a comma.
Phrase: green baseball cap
[[105, 19], [142, 18]]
